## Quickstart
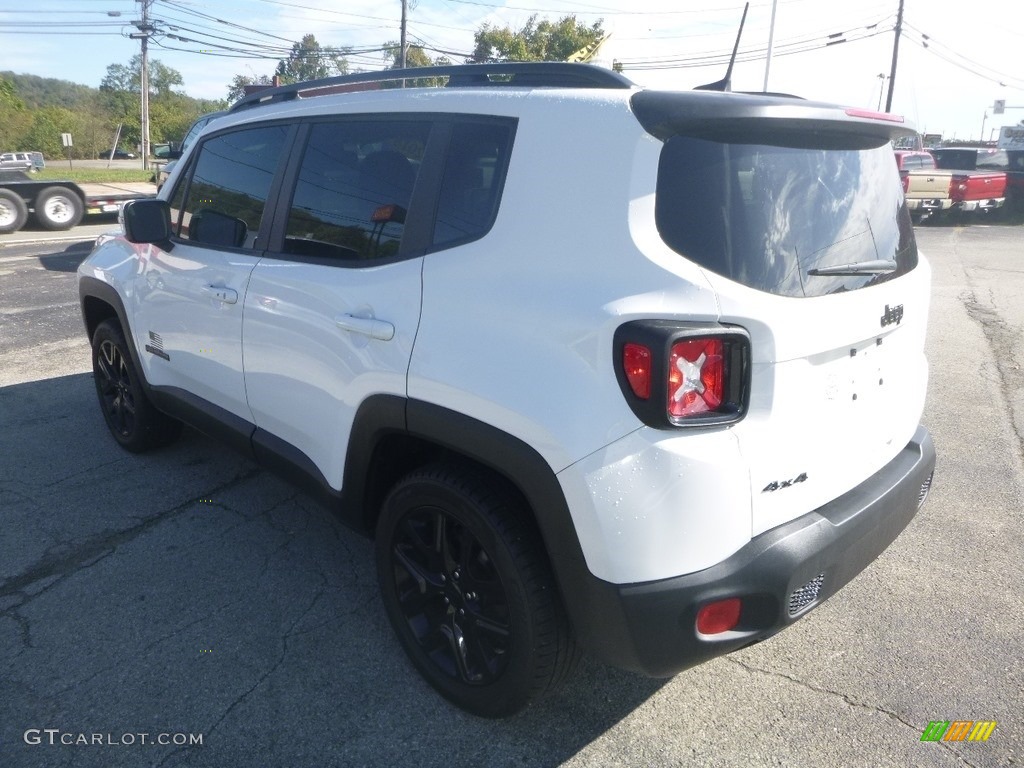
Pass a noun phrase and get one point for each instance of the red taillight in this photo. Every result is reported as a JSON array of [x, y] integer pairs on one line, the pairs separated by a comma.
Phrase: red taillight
[[636, 361], [719, 616], [696, 377], [677, 374]]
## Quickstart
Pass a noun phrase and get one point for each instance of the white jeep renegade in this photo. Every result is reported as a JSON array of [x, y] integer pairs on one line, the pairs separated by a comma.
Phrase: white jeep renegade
[[630, 371]]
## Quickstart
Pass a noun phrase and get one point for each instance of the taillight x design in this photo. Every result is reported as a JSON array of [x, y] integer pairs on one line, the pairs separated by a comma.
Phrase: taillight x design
[[696, 377], [676, 374]]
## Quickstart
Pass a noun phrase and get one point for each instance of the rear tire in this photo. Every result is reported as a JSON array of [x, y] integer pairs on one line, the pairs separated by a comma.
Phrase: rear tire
[[133, 420], [13, 212], [468, 589], [58, 208]]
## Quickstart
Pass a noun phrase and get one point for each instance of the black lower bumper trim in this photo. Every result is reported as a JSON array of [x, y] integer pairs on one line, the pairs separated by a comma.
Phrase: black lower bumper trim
[[651, 627]]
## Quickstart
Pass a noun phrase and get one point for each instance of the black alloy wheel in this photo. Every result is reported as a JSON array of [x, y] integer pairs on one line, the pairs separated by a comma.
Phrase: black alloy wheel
[[132, 419], [451, 596], [115, 389], [468, 590]]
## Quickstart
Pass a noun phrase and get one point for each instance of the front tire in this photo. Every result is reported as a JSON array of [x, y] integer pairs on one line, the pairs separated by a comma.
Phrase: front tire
[[133, 420], [58, 208], [468, 589]]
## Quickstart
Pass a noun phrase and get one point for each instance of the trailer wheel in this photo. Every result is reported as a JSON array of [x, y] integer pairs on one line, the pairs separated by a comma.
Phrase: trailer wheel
[[58, 208], [13, 213]]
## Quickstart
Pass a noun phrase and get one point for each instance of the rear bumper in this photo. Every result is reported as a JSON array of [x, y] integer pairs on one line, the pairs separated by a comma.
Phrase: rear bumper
[[981, 205], [651, 627], [930, 204]]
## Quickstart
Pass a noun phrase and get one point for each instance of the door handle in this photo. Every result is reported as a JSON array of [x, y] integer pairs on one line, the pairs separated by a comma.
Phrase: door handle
[[367, 326], [220, 293]]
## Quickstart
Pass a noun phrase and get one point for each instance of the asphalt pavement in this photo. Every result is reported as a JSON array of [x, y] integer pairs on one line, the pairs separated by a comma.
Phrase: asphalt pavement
[[187, 594]]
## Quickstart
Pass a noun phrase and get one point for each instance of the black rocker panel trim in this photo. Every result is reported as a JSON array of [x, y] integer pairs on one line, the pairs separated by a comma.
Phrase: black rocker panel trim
[[212, 420]]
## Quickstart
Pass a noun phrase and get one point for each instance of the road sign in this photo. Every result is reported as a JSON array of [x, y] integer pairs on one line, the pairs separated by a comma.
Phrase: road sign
[[999, 106], [1011, 137], [65, 139]]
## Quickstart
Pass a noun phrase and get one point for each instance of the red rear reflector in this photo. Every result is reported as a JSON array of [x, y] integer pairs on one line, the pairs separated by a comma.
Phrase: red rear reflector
[[696, 377], [636, 360], [871, 115], [720, 616]]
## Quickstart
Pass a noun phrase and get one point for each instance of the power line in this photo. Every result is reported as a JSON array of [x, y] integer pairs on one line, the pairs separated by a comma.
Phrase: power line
[[804, 45]]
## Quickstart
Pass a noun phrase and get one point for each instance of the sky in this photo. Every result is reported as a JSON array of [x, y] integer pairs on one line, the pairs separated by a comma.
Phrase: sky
[[953, 63]]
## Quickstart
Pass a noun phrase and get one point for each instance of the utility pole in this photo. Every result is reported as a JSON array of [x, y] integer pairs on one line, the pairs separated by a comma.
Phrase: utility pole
[[895, 56], [145, 30], [771, 42], [404, 44]]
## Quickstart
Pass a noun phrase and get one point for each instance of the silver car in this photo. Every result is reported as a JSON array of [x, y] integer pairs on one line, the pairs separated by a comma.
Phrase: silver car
[[16, 161]]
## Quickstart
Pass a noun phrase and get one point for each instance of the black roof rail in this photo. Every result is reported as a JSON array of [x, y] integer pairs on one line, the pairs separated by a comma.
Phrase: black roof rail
[[523, 74]]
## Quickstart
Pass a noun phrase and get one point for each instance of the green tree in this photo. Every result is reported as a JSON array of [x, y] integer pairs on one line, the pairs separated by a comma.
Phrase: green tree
[[9, 100], [236, 89], [415, 56], [128, 77], [121, 90], [308, 61], [48, 123], [536, 41], [14, 118]]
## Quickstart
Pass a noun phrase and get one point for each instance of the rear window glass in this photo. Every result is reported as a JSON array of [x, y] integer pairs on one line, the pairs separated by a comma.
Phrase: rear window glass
[[767, 216]]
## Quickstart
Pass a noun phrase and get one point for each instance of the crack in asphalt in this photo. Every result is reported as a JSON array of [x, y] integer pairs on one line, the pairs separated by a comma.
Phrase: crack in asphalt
[[276, 665], [1001, 338], [25, 627], [86, 471], [846, 698], [98, 547]]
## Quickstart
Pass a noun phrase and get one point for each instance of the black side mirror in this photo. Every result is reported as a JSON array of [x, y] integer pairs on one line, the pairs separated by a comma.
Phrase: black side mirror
[[146, 221]]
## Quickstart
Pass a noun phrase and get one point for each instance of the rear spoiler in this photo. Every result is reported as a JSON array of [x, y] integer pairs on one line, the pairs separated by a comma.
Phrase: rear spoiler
[[763, 119]]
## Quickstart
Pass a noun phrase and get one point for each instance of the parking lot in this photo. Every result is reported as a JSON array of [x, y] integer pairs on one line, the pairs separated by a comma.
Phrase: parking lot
[[188, 595]]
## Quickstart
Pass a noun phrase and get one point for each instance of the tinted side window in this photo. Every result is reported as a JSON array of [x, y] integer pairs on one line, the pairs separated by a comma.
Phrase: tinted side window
[[354, 188], [224, 199], [473, 179]]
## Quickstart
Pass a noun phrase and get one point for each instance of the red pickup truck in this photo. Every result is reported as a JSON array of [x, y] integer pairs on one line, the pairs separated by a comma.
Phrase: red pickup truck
[[1009, 161], [932, 190]]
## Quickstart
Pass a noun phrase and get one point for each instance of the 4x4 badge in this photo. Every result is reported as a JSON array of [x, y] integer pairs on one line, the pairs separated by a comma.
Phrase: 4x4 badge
[[777, 485], [893, 315]]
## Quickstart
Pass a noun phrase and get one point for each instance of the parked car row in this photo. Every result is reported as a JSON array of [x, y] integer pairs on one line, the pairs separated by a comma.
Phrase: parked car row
[[961, 180]]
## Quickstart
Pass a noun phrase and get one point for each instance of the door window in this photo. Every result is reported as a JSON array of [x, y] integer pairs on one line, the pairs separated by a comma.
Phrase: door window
[[354, 189], [222, 204]]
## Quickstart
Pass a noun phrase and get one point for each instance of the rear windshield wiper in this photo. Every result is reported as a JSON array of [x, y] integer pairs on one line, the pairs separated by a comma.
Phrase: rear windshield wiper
[[877, 267]]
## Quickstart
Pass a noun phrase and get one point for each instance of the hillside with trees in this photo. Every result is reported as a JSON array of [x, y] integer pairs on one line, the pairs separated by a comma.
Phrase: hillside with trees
[[35, 111]]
